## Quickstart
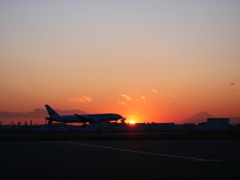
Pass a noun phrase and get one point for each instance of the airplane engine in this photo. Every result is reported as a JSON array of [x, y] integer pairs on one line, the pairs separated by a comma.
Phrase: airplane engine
[[96, 120]]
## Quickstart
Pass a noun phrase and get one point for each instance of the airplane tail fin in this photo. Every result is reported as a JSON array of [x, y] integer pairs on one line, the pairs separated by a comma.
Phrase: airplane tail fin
[[50, 111]]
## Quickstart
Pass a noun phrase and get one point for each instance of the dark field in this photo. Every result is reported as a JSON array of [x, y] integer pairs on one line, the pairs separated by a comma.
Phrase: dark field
[[119, 136], [131, 159]]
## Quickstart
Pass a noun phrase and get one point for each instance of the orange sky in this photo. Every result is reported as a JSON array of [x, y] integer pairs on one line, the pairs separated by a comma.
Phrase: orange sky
[[151, 61]]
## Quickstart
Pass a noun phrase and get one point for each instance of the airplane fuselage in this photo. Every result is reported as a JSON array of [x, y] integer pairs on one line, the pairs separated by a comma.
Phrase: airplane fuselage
[[93, 118]]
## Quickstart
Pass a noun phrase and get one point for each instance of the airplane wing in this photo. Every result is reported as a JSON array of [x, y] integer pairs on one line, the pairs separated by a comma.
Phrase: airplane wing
[[84, 119]]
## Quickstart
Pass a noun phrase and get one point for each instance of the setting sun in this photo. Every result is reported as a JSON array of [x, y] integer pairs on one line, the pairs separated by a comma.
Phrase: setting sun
[[132, 122]]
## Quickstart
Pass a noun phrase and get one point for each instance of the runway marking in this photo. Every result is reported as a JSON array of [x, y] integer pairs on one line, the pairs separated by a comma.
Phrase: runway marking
[[143, 152]]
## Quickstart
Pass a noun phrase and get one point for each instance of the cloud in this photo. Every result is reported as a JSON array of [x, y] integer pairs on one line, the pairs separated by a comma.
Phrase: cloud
[[155, 91], [231, 84], [80, 99], [143, 97], [225, 86], [122, 103], [172, 96], [89, 99], [215, 87], [126, 97], [136, 97], [38, 113]]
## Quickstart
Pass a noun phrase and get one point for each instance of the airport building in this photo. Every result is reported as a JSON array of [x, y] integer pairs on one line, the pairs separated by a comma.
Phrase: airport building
[[218, 124]]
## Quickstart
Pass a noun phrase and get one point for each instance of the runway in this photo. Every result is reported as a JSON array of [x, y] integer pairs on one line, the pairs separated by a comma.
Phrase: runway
[[150, 159]]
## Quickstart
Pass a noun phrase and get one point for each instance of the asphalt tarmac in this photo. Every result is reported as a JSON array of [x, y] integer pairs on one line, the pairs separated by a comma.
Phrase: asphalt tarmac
[[149, 159]]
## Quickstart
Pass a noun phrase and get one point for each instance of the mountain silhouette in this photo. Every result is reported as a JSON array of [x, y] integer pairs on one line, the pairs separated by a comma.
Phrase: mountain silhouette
[[197, 118]]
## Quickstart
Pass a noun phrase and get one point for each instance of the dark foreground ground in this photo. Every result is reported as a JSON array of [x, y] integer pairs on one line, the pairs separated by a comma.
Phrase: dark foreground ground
[[76, 136], [122, 159]]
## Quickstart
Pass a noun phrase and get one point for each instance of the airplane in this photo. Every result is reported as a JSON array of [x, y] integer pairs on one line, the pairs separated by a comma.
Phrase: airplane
[[90, 118]]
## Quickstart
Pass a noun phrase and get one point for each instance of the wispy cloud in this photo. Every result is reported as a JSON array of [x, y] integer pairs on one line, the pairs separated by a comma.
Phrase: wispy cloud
[[231, 84], [143, 97], [80, 99], [223, 86], [216, 87], [122, 103], [172, 96], [136, 97], [89, 99], [152, 91], [126, 97]]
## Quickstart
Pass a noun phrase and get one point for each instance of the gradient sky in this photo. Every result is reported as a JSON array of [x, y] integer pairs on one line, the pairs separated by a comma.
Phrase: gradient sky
[[149, 60]]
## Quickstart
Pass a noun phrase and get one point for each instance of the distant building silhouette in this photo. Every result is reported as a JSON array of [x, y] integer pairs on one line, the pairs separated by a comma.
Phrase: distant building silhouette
[[218, 124]]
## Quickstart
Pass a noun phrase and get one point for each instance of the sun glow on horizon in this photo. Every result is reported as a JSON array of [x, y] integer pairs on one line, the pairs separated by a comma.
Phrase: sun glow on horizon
[[132, 122]]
